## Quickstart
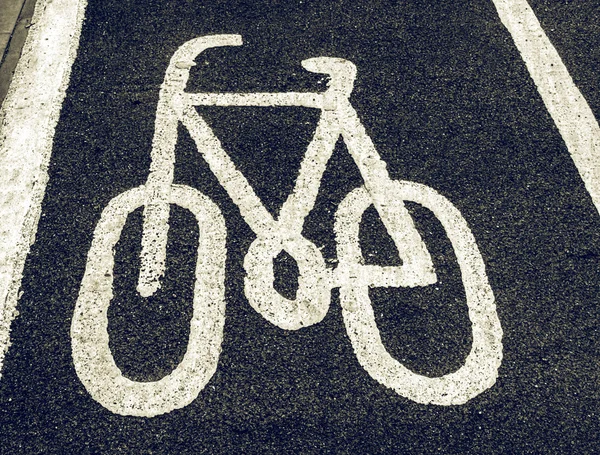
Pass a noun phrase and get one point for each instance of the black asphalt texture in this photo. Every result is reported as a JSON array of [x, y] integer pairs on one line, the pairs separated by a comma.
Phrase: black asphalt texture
[[448, 102]]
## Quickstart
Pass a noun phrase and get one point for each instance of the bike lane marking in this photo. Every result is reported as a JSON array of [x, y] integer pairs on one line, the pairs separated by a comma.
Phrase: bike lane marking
[[28, 119], [92, 357], [28, 126]]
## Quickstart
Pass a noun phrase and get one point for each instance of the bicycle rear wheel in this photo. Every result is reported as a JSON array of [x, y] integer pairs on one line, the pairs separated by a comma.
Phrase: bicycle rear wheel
[[94, 363]]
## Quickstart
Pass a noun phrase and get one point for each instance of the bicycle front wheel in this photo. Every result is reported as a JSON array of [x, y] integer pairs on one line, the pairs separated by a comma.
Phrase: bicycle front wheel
[[480, 369]]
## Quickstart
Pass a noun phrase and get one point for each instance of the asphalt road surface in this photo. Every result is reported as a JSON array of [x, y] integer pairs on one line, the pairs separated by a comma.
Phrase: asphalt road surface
[[448, 102]]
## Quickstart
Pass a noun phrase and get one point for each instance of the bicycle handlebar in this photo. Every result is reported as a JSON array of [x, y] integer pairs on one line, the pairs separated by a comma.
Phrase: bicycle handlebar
[[340, 71]]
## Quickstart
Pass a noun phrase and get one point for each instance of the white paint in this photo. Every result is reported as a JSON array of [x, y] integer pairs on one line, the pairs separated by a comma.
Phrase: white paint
[[480, 369], [92, 357], [156, 210], [28, 119], [567, 106], [273, 236]]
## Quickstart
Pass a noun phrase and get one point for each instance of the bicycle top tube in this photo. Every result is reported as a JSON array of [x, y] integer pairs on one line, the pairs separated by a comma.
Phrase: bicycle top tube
[[340, 71], [303, 99]]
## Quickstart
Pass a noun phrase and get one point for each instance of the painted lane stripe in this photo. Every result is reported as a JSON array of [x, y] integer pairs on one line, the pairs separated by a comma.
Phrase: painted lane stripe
[[565, 103], [28, 120]]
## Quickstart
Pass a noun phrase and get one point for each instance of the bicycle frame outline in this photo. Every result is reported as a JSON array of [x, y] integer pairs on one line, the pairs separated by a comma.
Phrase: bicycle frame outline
[[94, 363]]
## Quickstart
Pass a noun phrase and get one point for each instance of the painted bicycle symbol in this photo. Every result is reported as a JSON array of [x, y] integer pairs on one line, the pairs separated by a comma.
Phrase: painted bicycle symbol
[[92, 358]]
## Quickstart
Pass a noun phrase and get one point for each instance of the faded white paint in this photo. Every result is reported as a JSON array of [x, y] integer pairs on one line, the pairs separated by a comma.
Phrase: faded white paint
[[92, 357], [29, 115], [28, 119]]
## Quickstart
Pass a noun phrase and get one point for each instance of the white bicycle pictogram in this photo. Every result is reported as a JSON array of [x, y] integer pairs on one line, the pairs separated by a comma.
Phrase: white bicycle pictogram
[[92, 358]]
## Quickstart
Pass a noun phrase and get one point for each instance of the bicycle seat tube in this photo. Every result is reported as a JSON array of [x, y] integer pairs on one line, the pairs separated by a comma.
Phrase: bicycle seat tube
[[160, 179]]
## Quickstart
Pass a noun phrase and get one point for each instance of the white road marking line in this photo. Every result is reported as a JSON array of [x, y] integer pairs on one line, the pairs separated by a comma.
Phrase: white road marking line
[[565, 103], [28, 120]]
